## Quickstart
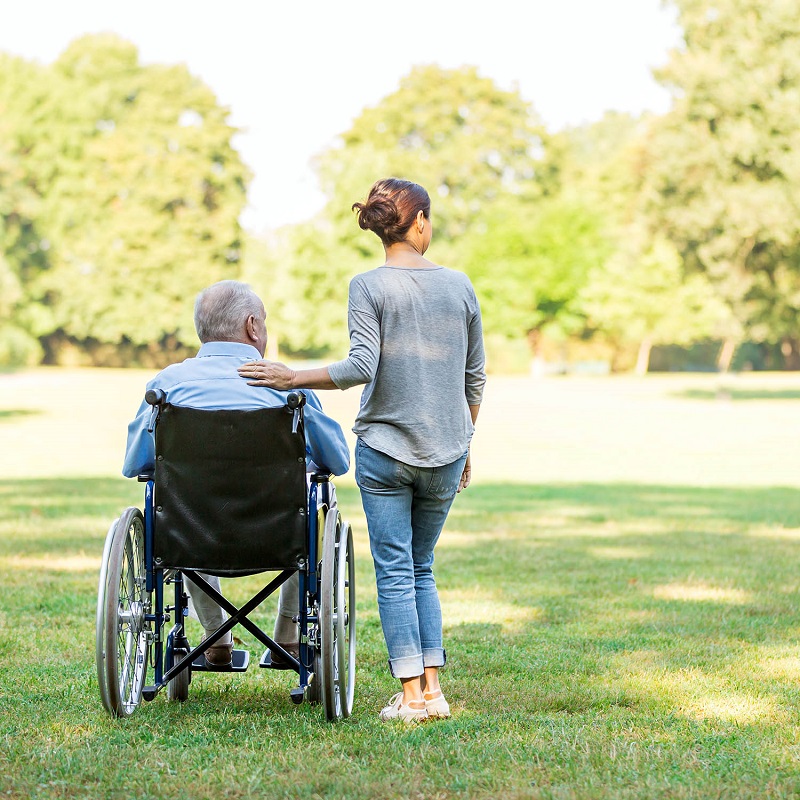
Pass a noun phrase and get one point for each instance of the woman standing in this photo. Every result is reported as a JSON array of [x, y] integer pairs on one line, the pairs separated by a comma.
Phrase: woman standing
[[416, 342]]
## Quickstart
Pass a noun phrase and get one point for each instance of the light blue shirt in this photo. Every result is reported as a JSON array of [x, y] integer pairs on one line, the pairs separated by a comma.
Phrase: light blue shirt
[[210, 381]]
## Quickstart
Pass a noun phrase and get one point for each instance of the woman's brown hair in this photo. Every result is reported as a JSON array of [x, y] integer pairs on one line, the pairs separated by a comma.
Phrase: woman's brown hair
[[392, 206]]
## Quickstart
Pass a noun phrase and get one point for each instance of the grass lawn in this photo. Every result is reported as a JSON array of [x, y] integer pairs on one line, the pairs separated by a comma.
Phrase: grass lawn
[[619, 587]]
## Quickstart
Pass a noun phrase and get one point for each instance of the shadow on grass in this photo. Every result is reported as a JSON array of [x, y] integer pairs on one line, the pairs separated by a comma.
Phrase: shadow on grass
[[674, 595], [566, 598], [725, 393], [11, 414]]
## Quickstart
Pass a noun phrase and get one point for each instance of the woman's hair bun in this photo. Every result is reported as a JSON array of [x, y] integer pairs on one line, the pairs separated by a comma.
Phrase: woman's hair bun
[[378, 214], [391, 207]]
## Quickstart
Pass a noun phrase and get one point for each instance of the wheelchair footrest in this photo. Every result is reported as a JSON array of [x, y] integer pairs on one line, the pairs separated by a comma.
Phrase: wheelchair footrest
[[239, 663], [267, 662]]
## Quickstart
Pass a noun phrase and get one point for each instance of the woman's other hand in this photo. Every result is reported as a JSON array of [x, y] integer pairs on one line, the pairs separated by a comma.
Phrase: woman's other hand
[[466, 475], [268, 373]]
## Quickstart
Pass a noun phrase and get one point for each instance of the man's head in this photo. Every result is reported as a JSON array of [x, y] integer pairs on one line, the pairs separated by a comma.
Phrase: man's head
[[230, 311]]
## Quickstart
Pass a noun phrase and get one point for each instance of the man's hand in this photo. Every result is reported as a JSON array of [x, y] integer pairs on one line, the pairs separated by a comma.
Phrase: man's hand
[[466, 475], [268, 373]]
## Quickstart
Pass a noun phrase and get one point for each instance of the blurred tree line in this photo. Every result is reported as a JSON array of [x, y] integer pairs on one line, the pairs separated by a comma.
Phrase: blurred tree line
[[119, 199], [630, 241]]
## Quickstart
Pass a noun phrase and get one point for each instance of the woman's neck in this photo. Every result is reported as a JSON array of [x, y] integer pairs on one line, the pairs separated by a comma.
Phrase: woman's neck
[[406, 255]]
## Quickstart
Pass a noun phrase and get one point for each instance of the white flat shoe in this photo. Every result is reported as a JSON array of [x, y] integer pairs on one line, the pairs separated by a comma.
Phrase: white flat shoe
[[408, 713], [436, 705]]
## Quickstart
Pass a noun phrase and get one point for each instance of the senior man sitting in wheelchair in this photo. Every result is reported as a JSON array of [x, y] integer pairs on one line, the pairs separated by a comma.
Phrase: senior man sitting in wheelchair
[[231, 324]]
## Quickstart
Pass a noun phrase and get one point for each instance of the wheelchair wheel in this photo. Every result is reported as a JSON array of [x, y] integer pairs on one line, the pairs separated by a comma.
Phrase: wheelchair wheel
[[100, 620], [178, 687], [337, 619], [123, 594], [346, 616]]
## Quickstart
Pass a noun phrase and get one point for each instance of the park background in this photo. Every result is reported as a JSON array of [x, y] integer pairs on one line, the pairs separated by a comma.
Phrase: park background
[[666, 220], [619, 584]]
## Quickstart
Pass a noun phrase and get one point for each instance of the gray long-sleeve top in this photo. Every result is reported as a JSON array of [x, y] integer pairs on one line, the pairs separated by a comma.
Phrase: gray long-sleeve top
[[416, 341]]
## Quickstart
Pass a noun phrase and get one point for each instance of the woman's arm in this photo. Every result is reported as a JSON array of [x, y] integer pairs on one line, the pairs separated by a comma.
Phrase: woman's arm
[[359, 367], [278, 376], [466, 475]]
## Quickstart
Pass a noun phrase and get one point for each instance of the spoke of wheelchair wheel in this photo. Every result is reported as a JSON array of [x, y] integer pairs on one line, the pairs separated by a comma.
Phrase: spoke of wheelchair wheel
[[128, 635]]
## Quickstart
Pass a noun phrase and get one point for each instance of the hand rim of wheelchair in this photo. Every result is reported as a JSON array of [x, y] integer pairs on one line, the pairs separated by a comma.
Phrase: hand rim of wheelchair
[[121, 632], [337, 618]]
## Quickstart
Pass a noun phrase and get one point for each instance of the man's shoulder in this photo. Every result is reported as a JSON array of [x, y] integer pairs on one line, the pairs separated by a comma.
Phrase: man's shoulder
[[172, 373]]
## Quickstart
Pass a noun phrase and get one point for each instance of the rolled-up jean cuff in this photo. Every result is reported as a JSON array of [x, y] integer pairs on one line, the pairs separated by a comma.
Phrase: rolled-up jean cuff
[[408, 667], [435, 657]]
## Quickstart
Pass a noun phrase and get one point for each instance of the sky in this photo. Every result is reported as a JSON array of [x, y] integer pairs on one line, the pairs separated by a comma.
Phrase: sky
[[296, 74]]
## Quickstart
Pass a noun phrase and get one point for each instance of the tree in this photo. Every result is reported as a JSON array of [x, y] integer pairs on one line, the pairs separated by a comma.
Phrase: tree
[[139, 195], [468, 142], [529, 263], [641, 295], [725, 178], [23, 250]]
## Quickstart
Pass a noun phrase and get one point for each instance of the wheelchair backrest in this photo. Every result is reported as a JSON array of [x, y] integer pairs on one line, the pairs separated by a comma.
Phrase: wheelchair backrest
[[230, 490]]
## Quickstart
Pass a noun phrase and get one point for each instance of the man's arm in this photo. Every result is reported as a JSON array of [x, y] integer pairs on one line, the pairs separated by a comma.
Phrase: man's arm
[[325, 438], [140, 453]]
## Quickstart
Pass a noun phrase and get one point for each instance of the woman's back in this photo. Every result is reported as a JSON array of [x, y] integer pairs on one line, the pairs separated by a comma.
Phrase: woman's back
[[416, 337]]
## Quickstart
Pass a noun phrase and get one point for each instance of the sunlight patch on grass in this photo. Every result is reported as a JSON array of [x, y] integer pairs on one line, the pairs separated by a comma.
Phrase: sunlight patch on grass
[[551, 526], [79, 563], [737, 707], [775, 532], [454, 537], [466, 606], [694, 693], [701, 592], [781, 668]]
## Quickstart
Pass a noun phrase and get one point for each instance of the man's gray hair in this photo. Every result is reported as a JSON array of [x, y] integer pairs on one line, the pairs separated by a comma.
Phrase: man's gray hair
[[222, 309]]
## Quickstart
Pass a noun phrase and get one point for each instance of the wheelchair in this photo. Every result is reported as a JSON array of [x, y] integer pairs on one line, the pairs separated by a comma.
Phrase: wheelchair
[[229, 496]]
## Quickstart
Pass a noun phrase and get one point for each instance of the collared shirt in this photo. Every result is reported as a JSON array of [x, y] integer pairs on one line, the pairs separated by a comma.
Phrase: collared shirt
[[210, 381]]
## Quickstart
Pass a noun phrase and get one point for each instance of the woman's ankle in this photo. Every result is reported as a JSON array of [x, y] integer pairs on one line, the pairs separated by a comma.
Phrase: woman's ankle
[[412, 691]]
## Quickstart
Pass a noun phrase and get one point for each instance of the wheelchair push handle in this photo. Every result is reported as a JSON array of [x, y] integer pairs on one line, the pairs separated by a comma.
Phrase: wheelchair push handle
[[155, 397], [295, 402]]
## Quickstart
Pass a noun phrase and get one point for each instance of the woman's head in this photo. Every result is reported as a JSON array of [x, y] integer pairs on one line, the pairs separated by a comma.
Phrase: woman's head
[[391, 208]]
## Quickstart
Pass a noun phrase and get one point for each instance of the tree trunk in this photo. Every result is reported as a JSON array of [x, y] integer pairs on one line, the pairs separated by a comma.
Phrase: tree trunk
[[725, 357], [643, 358], [791, 353], [537, 362]]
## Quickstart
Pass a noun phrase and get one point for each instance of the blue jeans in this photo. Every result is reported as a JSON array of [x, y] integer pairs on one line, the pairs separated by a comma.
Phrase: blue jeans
[[406, 508]]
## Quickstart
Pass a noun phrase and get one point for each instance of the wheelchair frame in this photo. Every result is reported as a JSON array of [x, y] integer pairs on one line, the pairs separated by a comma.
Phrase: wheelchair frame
[[132, 617]]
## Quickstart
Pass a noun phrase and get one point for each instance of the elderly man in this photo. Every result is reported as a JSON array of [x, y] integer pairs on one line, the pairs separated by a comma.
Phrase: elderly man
[[231, 324]]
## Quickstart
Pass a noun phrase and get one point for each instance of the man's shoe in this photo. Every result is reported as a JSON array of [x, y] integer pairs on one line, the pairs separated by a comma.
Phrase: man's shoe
[[279, 662], [219, 655]]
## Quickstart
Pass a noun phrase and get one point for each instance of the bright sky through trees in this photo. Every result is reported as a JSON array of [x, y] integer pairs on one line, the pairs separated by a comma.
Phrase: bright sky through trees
[[295, 75]]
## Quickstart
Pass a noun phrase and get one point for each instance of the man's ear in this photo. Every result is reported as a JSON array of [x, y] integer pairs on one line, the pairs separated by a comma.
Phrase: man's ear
[[250, 328]]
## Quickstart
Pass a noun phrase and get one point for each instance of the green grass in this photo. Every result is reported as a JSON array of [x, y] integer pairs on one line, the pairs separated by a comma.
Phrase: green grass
[[606, 638], [604, 641]]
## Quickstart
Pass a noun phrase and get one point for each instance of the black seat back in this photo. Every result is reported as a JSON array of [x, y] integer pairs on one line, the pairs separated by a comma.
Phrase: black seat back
[[230, 491]]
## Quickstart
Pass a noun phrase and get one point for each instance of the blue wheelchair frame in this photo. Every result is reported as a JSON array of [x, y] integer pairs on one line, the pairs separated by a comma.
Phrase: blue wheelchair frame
[[321, 494], [132, 615]]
